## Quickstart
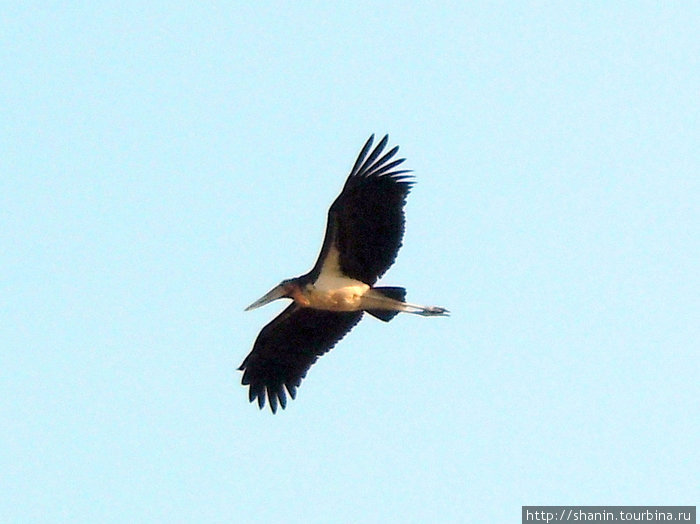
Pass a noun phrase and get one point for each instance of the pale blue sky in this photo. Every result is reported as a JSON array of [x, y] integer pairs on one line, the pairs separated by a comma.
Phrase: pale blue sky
[[162, 166]]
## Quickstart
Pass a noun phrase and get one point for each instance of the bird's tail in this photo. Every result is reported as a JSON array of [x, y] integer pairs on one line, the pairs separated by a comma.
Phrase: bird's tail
[[394, 294]]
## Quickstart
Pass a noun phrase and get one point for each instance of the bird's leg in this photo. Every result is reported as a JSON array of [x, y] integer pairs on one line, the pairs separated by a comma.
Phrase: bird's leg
[[374, 300]]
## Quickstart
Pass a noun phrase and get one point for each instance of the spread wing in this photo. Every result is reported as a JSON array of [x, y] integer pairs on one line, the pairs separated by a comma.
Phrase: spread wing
[[287, 347], [366, 222]]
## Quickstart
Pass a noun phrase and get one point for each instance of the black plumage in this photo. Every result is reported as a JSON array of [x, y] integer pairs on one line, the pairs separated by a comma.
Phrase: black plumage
[[366, 221], [364, 229], [287, 347]]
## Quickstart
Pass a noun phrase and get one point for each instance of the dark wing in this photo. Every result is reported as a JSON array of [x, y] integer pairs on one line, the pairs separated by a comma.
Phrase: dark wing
[[287, 347], [366, 221]]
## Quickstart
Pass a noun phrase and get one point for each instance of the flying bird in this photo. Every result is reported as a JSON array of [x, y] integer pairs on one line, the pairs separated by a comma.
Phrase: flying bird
[[363, 235]]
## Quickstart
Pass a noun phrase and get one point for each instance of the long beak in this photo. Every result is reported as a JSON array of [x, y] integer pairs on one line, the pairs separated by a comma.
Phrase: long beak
[[273, 294]]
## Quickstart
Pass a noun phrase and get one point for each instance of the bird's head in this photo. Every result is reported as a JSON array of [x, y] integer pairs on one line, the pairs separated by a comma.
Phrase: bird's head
[[285, 289]]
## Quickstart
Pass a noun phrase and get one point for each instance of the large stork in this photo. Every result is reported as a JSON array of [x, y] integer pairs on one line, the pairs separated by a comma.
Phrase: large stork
[[363, 235]]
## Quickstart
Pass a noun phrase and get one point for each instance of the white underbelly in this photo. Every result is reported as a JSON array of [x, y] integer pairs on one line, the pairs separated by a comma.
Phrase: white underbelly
[[333, 290], [337, 294]]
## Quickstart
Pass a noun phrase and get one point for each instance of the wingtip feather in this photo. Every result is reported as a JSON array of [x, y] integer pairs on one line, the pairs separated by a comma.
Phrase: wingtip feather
[[272, 399], [363, 153], [374, 154]]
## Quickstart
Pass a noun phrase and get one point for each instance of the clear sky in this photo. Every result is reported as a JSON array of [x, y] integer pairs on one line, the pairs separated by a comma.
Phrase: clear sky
[[164, 165]]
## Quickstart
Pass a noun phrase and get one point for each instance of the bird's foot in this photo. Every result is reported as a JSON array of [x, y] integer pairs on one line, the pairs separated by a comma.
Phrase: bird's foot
[[434, 311]]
